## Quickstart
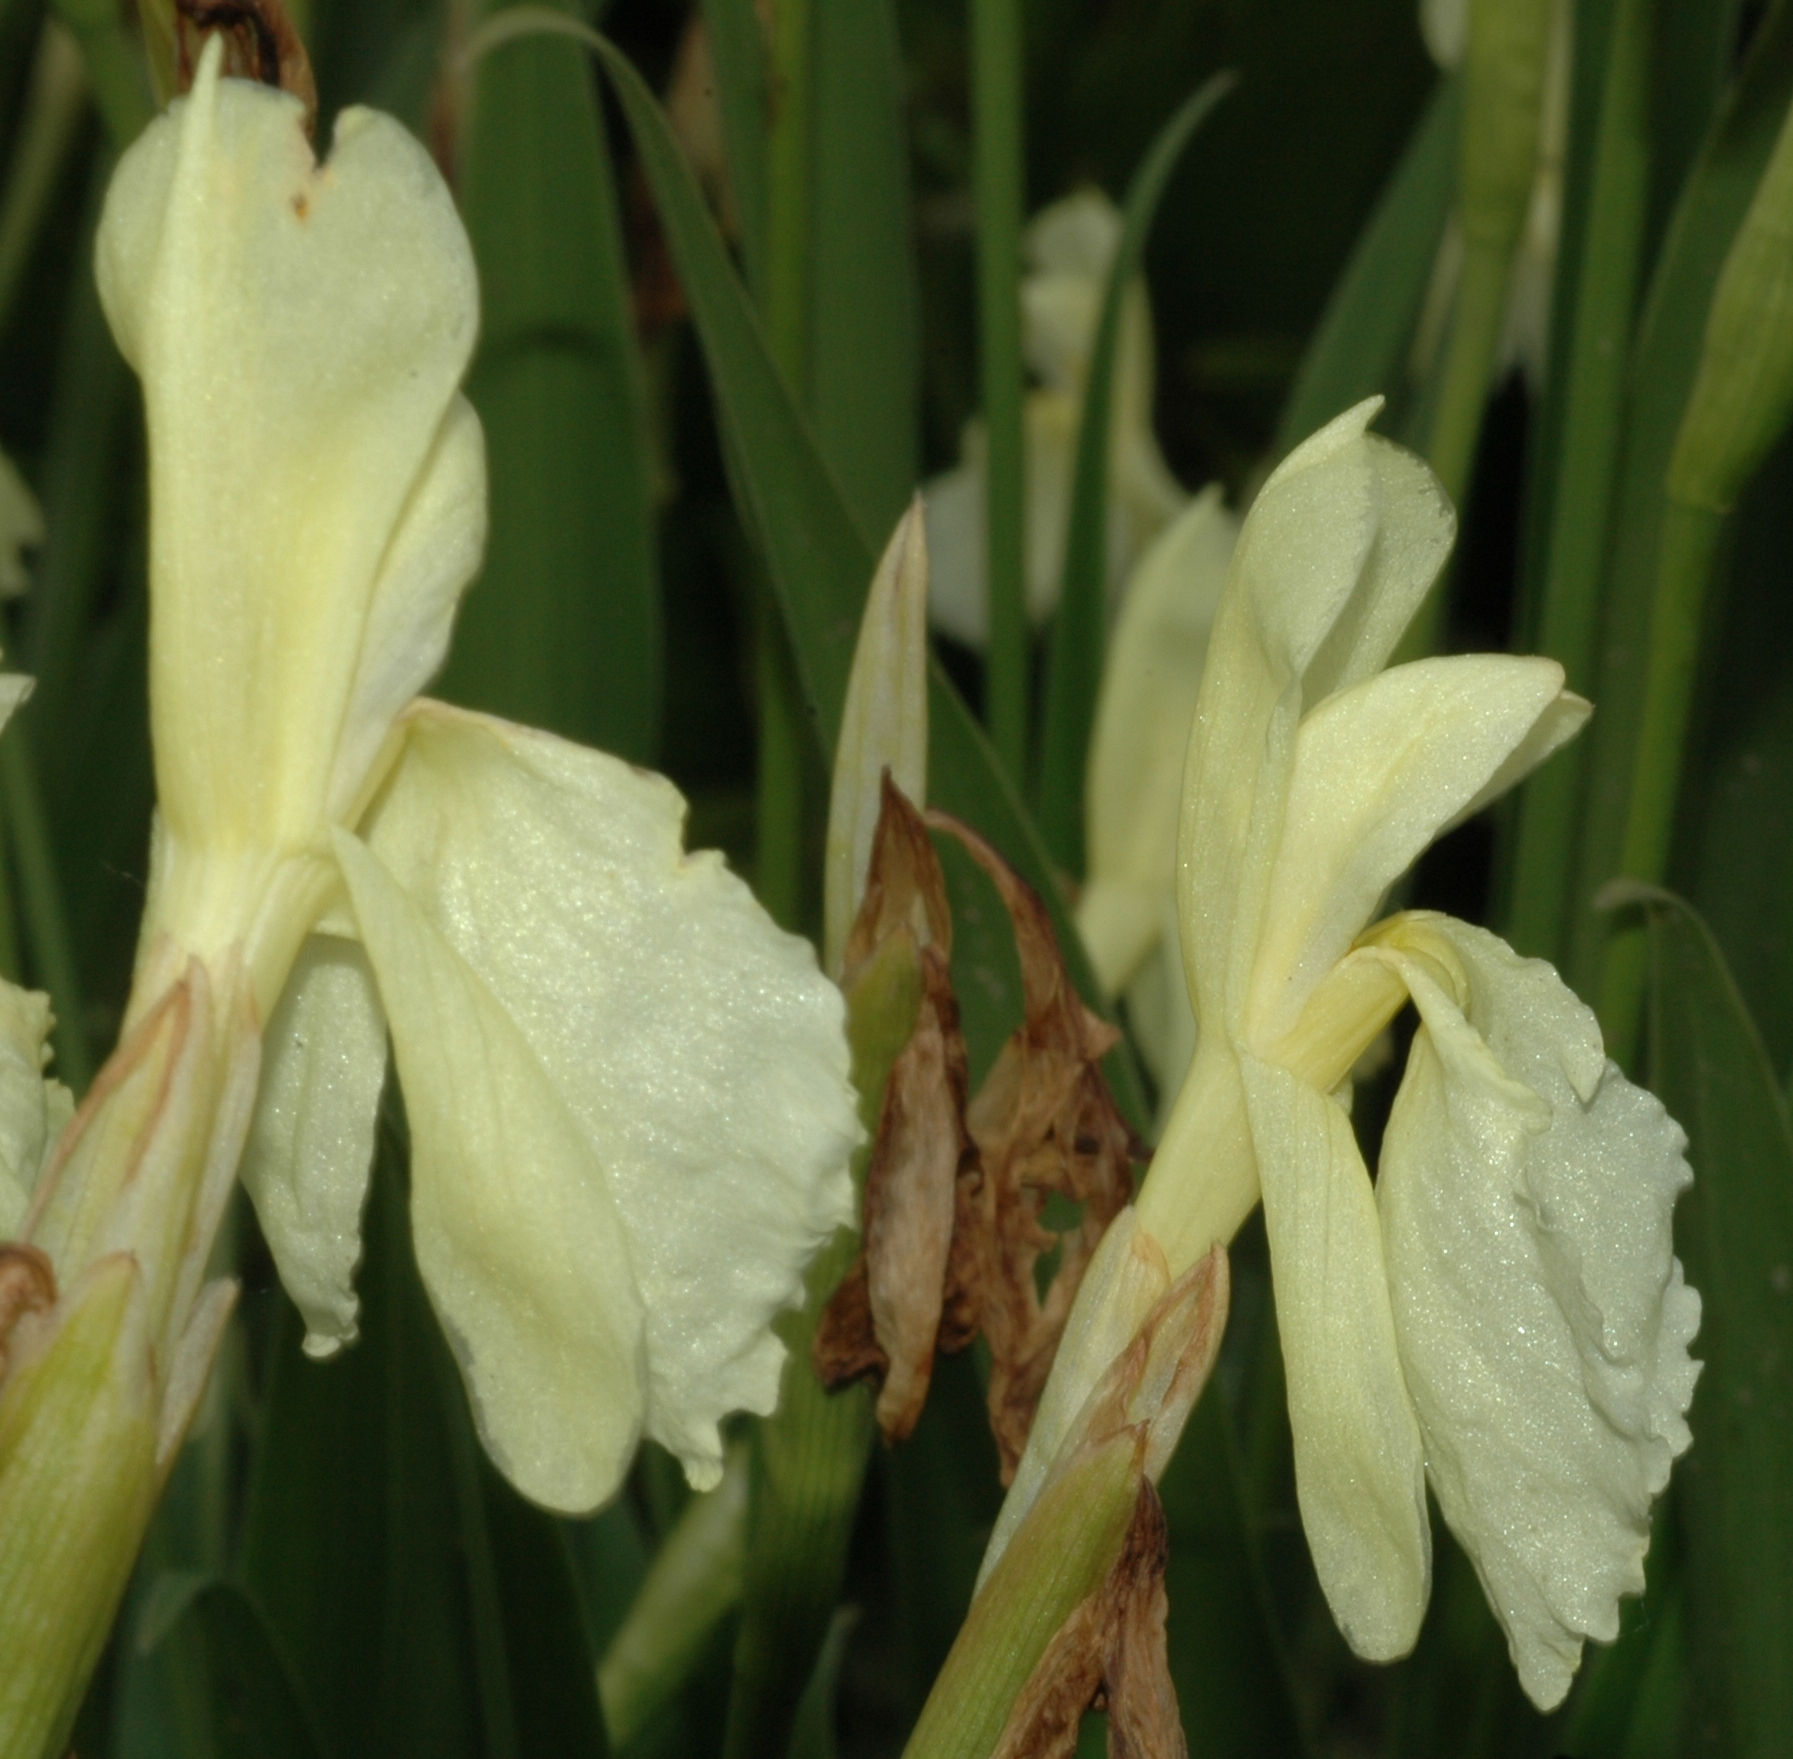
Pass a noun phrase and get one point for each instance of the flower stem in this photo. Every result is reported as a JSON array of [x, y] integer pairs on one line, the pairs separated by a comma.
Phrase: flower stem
[[997, 184]]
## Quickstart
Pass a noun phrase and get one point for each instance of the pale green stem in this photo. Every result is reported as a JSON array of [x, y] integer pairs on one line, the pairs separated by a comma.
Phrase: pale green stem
[[998, 187], [1060, 1557], [1685, 560], [120, 85]]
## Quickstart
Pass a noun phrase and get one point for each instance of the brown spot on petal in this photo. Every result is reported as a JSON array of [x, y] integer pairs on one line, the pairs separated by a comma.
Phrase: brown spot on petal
[[1111, 1648], [27, 1285], [260, 43]]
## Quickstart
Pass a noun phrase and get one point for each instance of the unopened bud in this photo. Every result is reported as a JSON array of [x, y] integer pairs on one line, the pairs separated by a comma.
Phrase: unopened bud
[[1743, 393], [884, 725], [1503, 109]]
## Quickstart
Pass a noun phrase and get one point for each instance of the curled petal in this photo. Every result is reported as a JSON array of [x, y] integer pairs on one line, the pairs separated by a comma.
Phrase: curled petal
[[696, 1045], [1379, 769], [517, 1237], [1526, 1193], [311, 1144], [1359, 1476]]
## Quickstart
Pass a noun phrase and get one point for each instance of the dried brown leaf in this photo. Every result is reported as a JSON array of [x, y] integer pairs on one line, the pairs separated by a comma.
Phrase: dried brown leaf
[[260, 43], [1111, 1650], [887, 1316], [1043, 1121]]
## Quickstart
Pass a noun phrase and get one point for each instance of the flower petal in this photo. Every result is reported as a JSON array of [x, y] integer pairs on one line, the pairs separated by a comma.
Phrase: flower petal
[[311, 1143], [1358, 1471], [300, 330], [1150, 683], [700, 1050], [1379, 768], [519, 1242], [1526, 1193]]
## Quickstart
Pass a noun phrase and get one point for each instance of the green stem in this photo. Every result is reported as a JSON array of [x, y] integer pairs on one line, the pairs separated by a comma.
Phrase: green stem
[[1060, 1556], [46, 922], [1684, 569], [1593, 354], [997, 186]]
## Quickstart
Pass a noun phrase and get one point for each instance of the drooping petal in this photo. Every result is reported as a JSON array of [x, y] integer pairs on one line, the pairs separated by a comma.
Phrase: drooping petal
[[311, 1143], [1150, 682], [1359, 1475], [1526, 1193], [519, 1242], [300, 330], [697, 1046], [1379, 768]]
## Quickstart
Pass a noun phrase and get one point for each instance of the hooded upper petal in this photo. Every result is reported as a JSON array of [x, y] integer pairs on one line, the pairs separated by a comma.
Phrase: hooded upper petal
[[300, 330], [695, 1045], [1526, 1192]]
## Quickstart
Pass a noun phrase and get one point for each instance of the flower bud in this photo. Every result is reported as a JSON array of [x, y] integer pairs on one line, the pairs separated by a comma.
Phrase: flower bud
[[1743, 393]]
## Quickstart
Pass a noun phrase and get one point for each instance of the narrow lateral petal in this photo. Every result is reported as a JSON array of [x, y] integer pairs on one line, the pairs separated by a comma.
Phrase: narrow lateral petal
[[519, 1243], [1141, 736], [1379, 768], [1526, 1193], [1359, 1476], [311, 1144], [698, 1047]]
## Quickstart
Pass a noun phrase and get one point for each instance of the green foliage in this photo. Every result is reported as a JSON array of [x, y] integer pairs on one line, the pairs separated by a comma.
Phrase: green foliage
[[681, 508]]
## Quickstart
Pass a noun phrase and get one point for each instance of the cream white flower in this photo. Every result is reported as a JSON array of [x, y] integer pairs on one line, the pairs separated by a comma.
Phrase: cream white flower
[[1501, 1313], [626, 1088], [1126, 913], [1070, 249]]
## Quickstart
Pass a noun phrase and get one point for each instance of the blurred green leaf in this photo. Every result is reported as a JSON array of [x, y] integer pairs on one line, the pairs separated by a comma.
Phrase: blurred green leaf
[[1669, 338], [864, 328], [353, 1540], [257, 1707], [1574, 463], [1361, 344], [1736, 1237], [820, 562], [738, 53], [1074, 657], [562, 629], [1226, 1654]]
